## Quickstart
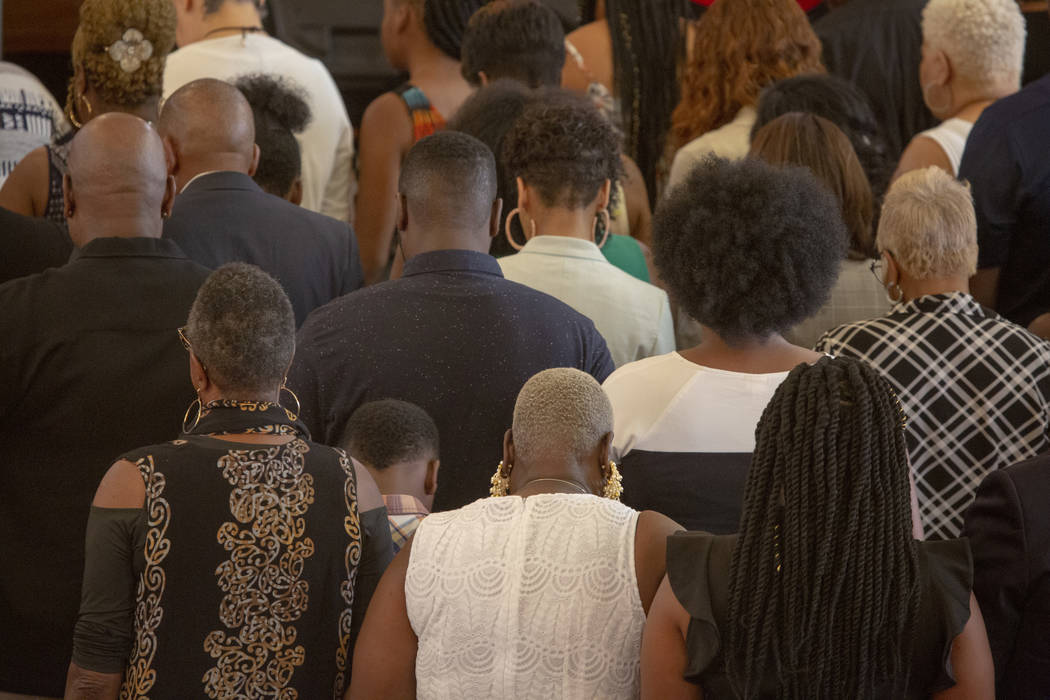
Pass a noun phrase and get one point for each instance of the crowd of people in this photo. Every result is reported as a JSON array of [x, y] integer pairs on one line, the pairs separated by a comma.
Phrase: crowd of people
[[698, 351]]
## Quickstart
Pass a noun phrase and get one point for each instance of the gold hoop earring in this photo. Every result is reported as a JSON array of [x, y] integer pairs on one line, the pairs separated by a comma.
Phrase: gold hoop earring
[[606, 226], [927, 89], [72, 117], [87, 104], [186, 425], [500, 482], [614, 484], [516, 211], [298, 406]]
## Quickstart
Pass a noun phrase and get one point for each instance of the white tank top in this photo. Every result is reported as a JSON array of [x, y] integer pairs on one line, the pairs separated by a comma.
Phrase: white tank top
[[533, 598], [951, 135]]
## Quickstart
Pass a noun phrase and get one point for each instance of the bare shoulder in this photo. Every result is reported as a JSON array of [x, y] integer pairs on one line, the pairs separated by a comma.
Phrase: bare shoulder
[[121, 487], [386, 111], [921, 153], [656, 527]]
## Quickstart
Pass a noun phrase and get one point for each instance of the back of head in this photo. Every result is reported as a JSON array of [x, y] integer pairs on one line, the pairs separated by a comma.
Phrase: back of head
[[741, 46], [445, 22], [211, 125], [985, 39], [562, 146], [117, 170], [448, 181], [488, 115], [845, 106], [929, 226], [825, 545], [122, 45], [381, 434], [813, 142], [749, 249], [242, 328], [560, 412], [518, 39], [281, 110]]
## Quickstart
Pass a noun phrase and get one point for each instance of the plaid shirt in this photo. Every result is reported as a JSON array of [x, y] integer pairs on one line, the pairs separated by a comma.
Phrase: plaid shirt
[[976, 389], [404, 512]]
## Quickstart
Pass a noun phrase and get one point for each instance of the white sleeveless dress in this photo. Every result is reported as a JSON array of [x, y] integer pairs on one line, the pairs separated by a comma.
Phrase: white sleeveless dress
[[526, 598], [951, 135]]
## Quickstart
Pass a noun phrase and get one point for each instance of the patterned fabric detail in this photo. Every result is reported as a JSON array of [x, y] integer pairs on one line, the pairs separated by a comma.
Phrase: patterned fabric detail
[[139, 676], [56, 168], [226, 416], [404, 512], [976, 389], [425, 119], [352, 525], [534, 598], [257, 655]]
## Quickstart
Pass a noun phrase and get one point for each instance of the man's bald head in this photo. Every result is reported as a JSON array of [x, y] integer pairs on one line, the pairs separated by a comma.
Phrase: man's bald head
[[210, 126], [448, 191], [117, 184]]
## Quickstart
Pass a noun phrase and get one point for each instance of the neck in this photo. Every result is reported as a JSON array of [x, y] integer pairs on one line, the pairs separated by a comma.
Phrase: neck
[[84, 228], [407, 478], [214, 162], [427, 63], [971, 101], [435, 240], [230, 14], [755, 355], [214, 393], [558, 221], [552, 475], [147, 111], [913, 289]]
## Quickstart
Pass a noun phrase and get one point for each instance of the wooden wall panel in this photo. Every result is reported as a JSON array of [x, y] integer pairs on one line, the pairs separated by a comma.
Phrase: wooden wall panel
[[39, 26]]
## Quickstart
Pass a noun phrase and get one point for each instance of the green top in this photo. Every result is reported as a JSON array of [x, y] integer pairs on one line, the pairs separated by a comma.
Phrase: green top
[[625, 253]]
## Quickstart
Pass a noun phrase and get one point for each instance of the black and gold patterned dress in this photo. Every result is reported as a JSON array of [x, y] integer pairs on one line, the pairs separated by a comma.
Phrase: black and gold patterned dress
[[243, 560]]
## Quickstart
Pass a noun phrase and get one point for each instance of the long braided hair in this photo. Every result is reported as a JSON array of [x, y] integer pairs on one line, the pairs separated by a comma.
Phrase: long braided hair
[[824, 586], [648, 44], [445, 22]]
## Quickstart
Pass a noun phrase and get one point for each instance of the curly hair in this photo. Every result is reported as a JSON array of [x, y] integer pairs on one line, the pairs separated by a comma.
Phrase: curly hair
[[281, 110], [813, 142], [519, 39], [384, 433], [740, 47], [242, 328], [103, 22], [749, 249], [562, 146], [983, 38], [562, 411], [824, 581]]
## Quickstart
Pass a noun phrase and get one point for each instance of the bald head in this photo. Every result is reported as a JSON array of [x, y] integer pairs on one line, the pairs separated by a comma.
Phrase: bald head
[[117, 183], [209, 126]]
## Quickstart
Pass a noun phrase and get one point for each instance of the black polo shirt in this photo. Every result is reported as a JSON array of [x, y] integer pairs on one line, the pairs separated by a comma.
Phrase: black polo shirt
[[90, 367], [452, 336]]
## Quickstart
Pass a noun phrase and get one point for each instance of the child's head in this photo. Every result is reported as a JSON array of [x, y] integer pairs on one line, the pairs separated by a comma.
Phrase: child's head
[[398, 442]]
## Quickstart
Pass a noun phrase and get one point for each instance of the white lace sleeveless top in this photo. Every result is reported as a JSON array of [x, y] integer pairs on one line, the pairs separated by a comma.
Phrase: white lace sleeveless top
[[951, 135], [533, 598]]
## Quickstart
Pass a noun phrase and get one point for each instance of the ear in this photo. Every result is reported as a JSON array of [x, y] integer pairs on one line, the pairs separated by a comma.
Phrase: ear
[[198, 375], [605, 451], [404, 15], [430, 481], [295, 195], [893, 271], [69, 204], [402, 213], [524, 200], [79, 82], [171, 154], [940, 68], [254, 165], [482, 78], [497, 210], [508, 448], [168, 202], [605, 194]]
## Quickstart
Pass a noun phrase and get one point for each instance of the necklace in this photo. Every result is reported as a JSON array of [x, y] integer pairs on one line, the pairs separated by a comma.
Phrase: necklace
[[242, 30], [560, 481]]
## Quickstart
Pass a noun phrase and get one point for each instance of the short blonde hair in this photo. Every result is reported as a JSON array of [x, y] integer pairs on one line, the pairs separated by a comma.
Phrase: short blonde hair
[[929, 226], [983, 38], [562, 410]]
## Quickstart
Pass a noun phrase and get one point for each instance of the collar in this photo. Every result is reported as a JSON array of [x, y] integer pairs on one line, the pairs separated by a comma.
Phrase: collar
[[226, 416], [404, 504], [221, 180], [563, 247], [129, 248], [452, 261], [958, 303]]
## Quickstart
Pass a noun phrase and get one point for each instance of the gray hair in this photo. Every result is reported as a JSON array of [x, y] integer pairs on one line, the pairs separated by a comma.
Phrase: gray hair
[[929, 226], [561, 409], [243, 329], [983, 38]]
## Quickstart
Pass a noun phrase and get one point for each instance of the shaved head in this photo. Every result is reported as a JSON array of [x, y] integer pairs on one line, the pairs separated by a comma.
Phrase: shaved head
[[117, 183], [210, 126]]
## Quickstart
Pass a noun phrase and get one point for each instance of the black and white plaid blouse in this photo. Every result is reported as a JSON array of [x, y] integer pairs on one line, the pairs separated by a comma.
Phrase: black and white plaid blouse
[[975, 386]]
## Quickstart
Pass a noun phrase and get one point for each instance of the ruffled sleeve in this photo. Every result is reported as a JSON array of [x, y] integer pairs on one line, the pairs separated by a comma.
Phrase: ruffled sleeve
[[698, 571], [947, 575]]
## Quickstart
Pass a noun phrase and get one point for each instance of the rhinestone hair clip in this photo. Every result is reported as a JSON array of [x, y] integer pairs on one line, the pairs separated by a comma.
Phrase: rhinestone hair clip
[[131, 51]]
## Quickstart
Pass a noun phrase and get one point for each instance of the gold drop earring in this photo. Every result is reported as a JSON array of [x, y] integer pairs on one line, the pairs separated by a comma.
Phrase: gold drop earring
[[500, 482], [614, 484]]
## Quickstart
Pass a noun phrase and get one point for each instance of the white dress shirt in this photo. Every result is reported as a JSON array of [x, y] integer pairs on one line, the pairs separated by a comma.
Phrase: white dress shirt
[[327, 143], [633, 316]]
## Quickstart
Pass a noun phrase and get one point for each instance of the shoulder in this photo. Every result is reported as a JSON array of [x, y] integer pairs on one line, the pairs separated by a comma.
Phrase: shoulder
[[386, 107], [693, 558], [642, 372], [946, 567]]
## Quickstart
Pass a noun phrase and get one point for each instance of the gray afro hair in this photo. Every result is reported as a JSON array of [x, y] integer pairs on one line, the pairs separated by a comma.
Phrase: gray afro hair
[[561, 409], [242, 328]]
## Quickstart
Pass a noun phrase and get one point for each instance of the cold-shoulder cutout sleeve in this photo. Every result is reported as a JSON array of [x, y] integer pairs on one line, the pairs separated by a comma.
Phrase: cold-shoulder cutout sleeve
[[946, 569], [698, 571]]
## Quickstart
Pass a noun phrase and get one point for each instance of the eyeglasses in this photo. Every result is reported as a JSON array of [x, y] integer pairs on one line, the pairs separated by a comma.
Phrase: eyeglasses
[[877, 267], [184, 339]]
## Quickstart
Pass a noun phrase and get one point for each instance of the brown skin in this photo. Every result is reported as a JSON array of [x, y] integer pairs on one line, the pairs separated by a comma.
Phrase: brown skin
[[385, 658], [193, 25], [122, 487], [27, 188], [540, 219], [750, 356], [386, 132], [425, 235], [984, 286], [912, 288], [207, 126], [418, 478]]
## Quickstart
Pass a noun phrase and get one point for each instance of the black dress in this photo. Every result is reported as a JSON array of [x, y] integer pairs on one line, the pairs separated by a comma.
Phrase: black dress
[[246, 558], [698, 566]]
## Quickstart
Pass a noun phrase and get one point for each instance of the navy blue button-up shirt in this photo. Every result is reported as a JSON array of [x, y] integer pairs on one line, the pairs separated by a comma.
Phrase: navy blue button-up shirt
[[452, 336]]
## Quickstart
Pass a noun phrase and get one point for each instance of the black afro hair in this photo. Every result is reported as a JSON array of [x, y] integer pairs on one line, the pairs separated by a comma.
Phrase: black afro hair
[[383, 433]]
